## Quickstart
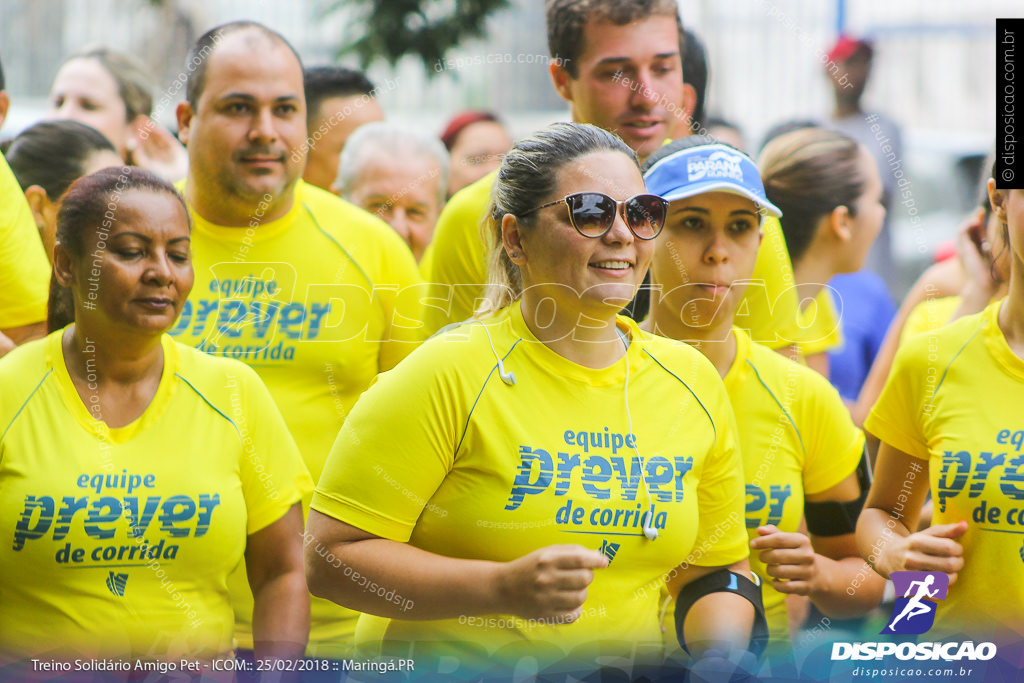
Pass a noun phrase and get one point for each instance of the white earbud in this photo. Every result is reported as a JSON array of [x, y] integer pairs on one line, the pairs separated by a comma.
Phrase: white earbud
[[507, 376], [649, 531]]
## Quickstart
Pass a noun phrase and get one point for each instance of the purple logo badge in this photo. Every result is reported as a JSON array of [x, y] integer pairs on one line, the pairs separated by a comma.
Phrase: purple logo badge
[[914, 611]]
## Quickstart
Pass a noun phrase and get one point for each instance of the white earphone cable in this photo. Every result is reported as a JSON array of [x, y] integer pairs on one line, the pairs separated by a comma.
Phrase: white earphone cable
[[647, 524], [507, 376]]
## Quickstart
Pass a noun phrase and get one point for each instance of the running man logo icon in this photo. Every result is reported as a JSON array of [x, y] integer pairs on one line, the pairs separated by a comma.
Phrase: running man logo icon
[[608, 550], [914, 612], [116, 583]]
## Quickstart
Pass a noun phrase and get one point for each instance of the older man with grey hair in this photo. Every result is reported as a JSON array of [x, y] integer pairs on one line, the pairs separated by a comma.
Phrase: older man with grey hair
[[398, 174]]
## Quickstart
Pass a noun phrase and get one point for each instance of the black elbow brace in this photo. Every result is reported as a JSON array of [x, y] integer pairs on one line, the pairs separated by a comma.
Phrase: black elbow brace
[[831, 518], [724, 581]]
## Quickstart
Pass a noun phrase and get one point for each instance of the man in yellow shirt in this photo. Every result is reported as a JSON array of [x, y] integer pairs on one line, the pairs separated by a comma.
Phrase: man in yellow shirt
[[618, 66], [313, 293]]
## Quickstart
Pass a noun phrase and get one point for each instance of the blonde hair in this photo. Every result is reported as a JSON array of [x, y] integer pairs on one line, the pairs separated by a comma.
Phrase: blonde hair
[[526, 178]]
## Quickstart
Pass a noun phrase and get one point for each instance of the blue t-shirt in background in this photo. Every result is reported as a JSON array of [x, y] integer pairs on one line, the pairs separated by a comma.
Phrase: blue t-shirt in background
[[866, 309]]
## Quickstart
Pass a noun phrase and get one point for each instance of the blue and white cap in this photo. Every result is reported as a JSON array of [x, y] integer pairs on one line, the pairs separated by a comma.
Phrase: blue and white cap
[[708, 168]]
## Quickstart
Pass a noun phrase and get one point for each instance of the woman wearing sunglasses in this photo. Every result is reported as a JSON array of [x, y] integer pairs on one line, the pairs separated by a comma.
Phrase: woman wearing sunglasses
[[549, 467], [800, 448]]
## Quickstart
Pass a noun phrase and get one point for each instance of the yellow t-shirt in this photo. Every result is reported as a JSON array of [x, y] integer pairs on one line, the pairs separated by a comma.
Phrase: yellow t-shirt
[[317, 302], [473, 467], [929, 315], [954, 399], [24, 268], [770, 307], [819, 324], [797, 439], [119, 542], [455, 266]]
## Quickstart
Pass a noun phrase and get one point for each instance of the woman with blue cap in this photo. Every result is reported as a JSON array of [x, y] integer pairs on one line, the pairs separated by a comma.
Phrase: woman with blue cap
[[802, 454]]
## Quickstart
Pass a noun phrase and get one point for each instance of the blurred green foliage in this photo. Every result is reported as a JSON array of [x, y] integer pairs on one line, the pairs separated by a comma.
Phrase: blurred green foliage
[[427, 29]]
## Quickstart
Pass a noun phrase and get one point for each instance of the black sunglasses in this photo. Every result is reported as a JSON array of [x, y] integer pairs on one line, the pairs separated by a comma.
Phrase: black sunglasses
[[593, 213]]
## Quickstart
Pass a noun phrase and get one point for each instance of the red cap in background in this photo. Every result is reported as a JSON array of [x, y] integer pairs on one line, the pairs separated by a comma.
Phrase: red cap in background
[[846, 46], [462, 121]]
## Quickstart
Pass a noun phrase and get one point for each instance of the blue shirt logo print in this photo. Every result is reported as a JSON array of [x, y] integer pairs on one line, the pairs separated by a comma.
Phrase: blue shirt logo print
[[116, 583]]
